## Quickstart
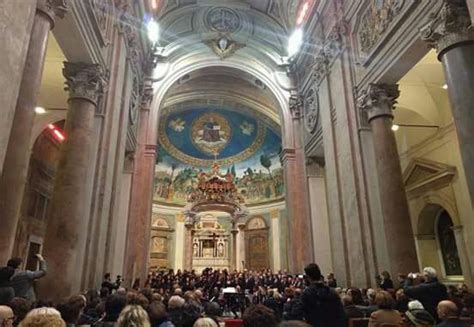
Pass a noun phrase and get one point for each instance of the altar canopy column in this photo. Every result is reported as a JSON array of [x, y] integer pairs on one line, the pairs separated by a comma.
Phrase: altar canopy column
[[451, 33], [293, 161], [66, 231], [13, 179], [378, 102], [141, 200]]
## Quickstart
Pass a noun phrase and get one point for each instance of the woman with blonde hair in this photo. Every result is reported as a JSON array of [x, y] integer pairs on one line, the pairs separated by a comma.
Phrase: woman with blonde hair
[[43, 317], [205, 322], [133, 316]]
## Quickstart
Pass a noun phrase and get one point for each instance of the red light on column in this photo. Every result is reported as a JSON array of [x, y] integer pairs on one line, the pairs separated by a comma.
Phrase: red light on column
[[59, 136]]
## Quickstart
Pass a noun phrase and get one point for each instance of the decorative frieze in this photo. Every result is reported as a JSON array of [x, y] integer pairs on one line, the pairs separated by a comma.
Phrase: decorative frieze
[[449, 26], [84, 81], [376, 21], [378, 100]]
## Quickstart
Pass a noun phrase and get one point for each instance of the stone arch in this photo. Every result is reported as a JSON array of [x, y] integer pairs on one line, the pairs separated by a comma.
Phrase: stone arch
[[279, 84]]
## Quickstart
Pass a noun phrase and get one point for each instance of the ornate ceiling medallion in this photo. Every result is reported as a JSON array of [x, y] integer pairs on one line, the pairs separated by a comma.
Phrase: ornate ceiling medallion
[[211, 133], [223, 20]]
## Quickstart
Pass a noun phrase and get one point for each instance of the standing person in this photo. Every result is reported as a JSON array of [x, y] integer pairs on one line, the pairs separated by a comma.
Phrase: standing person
[[22, 281], [107, 283], [6, 290], [429, 293], [322, 306], [385, 281], [331, 280]]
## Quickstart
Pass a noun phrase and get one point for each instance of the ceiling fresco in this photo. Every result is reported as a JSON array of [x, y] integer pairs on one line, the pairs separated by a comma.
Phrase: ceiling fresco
[[243, 142]]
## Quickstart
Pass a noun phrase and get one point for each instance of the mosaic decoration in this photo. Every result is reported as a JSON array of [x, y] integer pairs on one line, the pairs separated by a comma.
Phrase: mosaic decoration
[[243, 144]]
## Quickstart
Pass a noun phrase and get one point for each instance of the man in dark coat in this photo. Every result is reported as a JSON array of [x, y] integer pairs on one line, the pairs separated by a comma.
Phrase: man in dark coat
[[322, 306], [429, 293]]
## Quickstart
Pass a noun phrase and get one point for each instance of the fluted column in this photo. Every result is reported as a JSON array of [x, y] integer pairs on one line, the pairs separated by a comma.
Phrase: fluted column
[[141, 200], [299, 223], [13, 179], [241, 247], [66, 232], [378, 101], [451, 33], [233, 260]]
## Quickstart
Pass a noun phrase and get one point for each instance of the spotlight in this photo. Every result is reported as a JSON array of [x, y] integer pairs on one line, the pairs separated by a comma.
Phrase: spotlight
[[40, 110], [395, 127], [295, 42], [153, 31]]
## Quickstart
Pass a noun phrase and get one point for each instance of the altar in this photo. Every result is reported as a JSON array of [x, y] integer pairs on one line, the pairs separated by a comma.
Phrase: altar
[[211, 244]]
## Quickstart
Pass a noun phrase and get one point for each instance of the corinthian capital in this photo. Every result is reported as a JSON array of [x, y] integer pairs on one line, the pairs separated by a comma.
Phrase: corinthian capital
[[378, 100], [448, 27], [52, 8], [84, 80]]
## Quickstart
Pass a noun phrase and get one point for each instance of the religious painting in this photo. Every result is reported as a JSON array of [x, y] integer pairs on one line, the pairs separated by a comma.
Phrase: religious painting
[[447, 243], [244, 143], [257, 254]]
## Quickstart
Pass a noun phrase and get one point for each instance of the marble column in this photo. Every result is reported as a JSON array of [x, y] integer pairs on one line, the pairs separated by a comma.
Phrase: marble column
[[241, 247], [299, 223], [141, 201], [275, 228], [188, 243], [66, 232], [233, 260], [378, 102], [179, 242], [451, 33], [17, 155]]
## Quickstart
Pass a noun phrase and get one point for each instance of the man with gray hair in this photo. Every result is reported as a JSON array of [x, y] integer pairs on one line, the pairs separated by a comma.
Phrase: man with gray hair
[[429, 292]]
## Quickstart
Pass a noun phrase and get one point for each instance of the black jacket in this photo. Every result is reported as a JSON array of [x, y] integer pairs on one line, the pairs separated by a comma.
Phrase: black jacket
[[429, 294], [322, 306]]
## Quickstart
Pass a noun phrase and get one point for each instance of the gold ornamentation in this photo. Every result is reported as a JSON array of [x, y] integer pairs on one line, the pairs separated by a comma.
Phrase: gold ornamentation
[[210, 133]]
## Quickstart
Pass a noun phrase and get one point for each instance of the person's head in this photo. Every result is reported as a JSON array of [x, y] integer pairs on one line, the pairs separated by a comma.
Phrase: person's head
[[138, 299], [113, 306], [157, 313], [420, 318], [258, 316], [447, 309], [7, 317], [107, 276], [293, 323], [43, 317], [175, 302], [385, 275], [384, 300], [15, 263], [133, 316], [429, 273], [205, 322], [72, 308], [104, 292], [313, 273], [347, 300], [356, 295], [212, 309], [20, 307], [415, 305]]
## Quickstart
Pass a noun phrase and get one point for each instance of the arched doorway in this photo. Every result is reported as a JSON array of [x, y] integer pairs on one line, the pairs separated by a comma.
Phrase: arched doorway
[[437, 243]]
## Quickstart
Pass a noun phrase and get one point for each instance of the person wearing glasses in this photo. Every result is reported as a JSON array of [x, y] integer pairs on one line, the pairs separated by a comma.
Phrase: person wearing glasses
[[6, 316]]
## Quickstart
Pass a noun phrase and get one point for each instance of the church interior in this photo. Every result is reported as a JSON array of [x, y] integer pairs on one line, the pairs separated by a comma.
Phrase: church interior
[[143, 136]]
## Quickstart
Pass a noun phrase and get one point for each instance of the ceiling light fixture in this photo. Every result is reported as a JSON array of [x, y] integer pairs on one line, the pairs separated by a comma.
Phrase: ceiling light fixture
[[295, 41], [153, 31], [302, 14], [395, 127], [40, 110]]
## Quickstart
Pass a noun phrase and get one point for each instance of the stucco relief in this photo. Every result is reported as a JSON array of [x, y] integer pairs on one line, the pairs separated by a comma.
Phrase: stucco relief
[[224, 20], [311, 110], [376, 22]]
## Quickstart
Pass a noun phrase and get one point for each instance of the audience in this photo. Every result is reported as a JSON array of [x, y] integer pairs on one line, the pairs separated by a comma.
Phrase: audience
[[448, 313], [133, 316], [260, 298], [386, 315]]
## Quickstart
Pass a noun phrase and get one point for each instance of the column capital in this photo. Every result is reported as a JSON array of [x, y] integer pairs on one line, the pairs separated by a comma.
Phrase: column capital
[[86, 81], [378, 100], [296, 105], [52, 8], [450, 26]]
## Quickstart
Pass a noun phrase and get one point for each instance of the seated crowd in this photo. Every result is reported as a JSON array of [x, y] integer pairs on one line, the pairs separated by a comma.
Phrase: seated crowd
[[249, 298]]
